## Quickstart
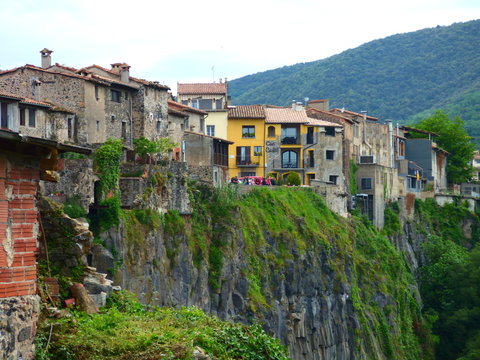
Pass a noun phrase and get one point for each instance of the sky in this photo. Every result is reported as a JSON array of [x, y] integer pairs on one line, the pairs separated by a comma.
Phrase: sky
[[202, 41]]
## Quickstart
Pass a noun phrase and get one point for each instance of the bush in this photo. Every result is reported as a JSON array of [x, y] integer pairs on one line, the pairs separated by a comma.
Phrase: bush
[[293, 178], [72, 207]]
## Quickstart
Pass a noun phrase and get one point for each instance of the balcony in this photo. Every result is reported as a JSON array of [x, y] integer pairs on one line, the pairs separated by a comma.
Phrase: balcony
[[290, 140], [247, 163]]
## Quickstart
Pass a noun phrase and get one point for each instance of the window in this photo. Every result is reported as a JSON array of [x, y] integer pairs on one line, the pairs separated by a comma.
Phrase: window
[[330, 131], [126, 95], [311, 158], [31, 118], [97, 95], [158, 127], [204, 104], [4, 115], [22, 116], [115, 95], [98, 125], [124, 129], [333, 179], [70, 126], [310, 135], [290, 135], [211, 130], [366, 183], [257, 150], [219, 104], [248, 131], [271, 131], [248, 173], [330, 154], [243, 155], [185, 102], [289, 159]]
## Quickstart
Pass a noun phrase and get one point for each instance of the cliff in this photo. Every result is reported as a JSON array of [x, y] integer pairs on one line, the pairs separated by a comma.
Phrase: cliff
[[328, 288]]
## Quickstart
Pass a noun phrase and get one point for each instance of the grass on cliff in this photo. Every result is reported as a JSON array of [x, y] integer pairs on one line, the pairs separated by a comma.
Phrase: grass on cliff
[[286, 228], [126, 331]]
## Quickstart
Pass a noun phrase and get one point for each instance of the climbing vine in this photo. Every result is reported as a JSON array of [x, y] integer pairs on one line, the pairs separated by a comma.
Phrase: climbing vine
[[107, 163]]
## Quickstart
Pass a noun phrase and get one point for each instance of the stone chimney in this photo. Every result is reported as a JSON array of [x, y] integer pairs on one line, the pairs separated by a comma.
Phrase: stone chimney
[[46, 58], [123, 70], [297, 106], [125, 73]]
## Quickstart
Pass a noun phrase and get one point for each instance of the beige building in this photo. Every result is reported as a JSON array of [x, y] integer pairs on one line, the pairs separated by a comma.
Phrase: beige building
[[210, 97]]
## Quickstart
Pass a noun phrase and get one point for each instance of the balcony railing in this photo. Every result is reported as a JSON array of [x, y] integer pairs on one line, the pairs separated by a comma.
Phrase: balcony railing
[[246, 162], [290, 140], [289, 165]]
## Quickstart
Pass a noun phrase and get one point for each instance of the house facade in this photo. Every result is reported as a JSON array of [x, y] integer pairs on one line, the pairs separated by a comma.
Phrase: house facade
[[210, 97]]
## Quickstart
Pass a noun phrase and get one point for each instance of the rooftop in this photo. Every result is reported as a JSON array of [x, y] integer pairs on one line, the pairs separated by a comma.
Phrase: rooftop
[[247, 112], [202, 89]]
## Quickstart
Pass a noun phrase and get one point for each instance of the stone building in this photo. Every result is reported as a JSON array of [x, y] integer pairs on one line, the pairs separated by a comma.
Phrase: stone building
[[24, 161], [33, 118], [206, 157], [210, 97], [102, 103]]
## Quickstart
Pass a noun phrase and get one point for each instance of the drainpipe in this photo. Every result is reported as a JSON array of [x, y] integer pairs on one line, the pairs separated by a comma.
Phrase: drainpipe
[[131, 120], [390, 137]]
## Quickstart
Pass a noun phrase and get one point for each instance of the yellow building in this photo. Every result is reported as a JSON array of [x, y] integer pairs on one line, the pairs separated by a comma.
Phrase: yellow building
[[277, 140], [246, 128]]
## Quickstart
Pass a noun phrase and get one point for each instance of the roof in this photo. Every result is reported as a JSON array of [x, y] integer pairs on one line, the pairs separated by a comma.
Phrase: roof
[[15, 136], [23, 100], [134, 79], [353, 114], [209, 136], [202, 89], [327, 116], [247, 112], [286, 116], [420, 131], [173, 105], [320, 122]]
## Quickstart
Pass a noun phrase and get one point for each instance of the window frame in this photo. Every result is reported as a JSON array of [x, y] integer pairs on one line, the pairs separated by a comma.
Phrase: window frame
[[248, 134]]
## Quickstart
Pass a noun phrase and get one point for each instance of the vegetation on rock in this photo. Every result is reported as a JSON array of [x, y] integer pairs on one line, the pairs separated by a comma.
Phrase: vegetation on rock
[[127, 330]]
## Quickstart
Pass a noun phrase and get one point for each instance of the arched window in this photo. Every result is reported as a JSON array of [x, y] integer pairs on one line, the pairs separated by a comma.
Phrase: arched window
[[271, 131], [289, 159]]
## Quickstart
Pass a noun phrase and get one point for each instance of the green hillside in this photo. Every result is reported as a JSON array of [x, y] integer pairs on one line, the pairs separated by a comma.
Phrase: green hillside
[[396, 77]]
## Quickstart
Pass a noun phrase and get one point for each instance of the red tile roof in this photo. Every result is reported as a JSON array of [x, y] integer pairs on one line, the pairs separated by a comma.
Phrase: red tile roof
[[202, 89], [247, 112]]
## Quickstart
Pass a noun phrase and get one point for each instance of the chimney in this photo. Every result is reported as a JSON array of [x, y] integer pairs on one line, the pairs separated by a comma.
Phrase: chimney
[[46, 58], [125, 73]]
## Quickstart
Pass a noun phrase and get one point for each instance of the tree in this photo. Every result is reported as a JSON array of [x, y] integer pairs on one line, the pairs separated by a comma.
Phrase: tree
[[453, 138], [145, 147]]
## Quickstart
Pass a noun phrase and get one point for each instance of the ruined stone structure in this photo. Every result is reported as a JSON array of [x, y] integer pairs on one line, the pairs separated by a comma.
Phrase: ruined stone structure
[[23, 162]]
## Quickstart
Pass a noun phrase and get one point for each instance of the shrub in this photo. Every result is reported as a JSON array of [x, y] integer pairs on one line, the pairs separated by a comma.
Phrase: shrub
[[293, 178]]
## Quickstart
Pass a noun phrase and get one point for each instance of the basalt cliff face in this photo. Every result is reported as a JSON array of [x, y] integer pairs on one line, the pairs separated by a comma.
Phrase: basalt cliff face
[[328, 287]]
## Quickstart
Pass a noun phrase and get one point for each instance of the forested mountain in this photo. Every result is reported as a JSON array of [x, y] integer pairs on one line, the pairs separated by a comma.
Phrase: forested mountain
[[396, 77]]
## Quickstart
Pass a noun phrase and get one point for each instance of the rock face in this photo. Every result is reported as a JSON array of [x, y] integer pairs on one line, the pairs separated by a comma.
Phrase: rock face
[[305, 301]]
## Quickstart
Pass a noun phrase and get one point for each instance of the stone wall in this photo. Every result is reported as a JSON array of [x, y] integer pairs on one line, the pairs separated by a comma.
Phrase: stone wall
[[18, 318], [76, 178]]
